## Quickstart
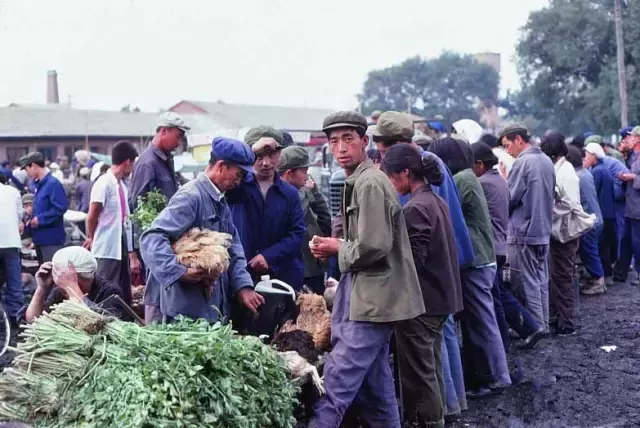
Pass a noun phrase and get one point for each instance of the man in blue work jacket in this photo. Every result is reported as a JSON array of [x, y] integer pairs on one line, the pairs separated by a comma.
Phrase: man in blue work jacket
[[201, 203], [6, 171], [49, 206], [268, 214]]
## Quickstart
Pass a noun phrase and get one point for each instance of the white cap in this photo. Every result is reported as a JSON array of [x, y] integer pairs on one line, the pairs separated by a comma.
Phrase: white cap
[[81, 259], [596, 150], [54, 165], [170, 119], [84, 171]]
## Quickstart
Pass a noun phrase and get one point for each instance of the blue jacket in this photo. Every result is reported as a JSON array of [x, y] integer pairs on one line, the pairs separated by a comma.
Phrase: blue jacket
[[589, 195], [616, 167], [9, 174], [603, 180], [49, 205], [197, 204], [449, 192], [273, 226]]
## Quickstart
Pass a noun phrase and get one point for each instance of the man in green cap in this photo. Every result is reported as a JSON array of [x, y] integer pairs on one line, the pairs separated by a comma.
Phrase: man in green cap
[[609, 150], [293, 167], [379, 285], [268, 213]]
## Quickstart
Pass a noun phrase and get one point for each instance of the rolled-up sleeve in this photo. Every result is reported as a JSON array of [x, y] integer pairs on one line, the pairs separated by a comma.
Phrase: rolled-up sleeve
[[169, 226], [375, 229]]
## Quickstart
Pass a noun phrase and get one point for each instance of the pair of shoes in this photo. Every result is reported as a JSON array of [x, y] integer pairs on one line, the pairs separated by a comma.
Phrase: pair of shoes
[[476, 394], [451, 418], [593, 287], [531, 341], [565, 331], [608, 281]]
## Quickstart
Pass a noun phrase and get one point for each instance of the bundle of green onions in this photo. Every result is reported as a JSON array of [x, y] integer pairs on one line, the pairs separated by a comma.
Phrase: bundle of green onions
[[78, 368]]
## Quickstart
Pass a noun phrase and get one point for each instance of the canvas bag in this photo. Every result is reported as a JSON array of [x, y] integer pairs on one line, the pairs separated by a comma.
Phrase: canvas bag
[[569, 221]]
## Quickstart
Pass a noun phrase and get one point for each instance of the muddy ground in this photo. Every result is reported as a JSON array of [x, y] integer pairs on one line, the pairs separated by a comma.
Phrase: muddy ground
[[570, 381]]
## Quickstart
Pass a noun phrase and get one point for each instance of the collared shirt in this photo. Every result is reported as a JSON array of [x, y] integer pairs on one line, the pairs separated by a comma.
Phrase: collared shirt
[[567, 179], [10, 217], [215, 188], [106, 192]]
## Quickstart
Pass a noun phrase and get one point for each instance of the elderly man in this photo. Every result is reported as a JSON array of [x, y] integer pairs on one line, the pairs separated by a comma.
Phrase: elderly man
[[201, 203], [154, 170], [531, 194], [293, 166], [268, 214], [50, 204], [72, 275], [379, 285]]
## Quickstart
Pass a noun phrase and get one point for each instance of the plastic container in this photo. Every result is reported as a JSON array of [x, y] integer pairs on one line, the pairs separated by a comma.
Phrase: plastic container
[[274, 286]]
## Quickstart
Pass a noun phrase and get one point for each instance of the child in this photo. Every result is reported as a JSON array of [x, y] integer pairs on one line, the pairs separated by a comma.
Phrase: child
[[27, 204]]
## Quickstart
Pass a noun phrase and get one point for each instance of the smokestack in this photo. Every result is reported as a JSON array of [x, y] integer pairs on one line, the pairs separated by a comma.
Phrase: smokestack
[[52, 87]]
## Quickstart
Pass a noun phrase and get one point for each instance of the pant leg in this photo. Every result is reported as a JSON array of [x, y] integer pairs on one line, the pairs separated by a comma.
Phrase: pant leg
[[496, 293], [14, 295], [620, 225], [418, 344], [635, 241], [455, 391], [530, 279], [561, 260], [608, 246], [357, 368], [125, 273], [483, 349], [518, 317], [590, 254], [45, 252], [621, 268]]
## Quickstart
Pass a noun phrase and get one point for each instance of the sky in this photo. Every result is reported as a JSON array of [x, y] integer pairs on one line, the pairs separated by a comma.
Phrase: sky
[[154, 53]]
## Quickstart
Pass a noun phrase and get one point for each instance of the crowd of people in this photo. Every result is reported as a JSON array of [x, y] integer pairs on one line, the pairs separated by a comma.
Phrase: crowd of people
[[434, 230]]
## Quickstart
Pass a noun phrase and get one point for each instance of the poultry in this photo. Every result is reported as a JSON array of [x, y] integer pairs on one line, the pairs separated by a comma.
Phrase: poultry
[[204, 249], [299, 367], [313, 318]]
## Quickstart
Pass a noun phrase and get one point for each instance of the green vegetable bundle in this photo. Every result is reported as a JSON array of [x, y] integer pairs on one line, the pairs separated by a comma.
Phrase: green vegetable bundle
[[77, 368], [148, 208]]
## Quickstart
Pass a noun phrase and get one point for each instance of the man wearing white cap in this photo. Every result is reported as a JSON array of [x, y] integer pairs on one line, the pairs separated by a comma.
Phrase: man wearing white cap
[[71, 274]]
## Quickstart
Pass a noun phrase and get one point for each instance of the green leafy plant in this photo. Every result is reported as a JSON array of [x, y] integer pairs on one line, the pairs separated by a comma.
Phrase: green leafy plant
[[148, 208]]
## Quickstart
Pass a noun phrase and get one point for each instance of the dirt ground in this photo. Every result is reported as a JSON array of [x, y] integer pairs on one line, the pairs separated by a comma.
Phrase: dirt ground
[[570, 381]]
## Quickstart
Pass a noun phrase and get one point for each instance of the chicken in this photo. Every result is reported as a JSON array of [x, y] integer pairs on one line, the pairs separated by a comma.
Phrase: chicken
[[204, 249], [299, 367], [313, 318]]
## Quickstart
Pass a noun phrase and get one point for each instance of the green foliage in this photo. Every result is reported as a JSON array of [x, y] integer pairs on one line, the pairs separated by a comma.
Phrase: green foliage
[[452, 85], [148, 208]]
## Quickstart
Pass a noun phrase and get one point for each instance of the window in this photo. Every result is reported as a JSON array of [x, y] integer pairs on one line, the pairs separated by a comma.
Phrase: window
[[15, 153], [49, 153]]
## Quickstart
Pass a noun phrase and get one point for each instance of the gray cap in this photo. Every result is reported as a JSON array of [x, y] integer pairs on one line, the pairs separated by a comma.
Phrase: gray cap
[[293, 157], [344, 119], [170, 119], [593, 139], [394, 125], [510, 129], [28, 198], [254, 134], [635, 131], [30, 158]]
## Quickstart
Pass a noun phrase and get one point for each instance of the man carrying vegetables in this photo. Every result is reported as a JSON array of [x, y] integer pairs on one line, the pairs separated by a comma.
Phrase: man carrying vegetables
[[201, 203]]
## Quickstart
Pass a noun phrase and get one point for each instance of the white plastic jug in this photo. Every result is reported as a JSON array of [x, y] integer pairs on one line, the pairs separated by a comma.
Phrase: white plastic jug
[[274, 286]]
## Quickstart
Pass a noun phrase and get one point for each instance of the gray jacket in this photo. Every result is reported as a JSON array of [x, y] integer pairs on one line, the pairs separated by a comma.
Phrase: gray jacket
[[632, 207], [197, 204], [531, 182], [497, 194]]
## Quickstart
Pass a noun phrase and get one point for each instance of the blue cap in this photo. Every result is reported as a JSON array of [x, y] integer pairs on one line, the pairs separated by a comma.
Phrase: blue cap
[[234, 151], [588, 134], [626, 131], [438, 126]]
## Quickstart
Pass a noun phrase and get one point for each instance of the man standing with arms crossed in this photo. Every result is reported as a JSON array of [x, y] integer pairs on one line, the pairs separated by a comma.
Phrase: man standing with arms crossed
[[379, 284]]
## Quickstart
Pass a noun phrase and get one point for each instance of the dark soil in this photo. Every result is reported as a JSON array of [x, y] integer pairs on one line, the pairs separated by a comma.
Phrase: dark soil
[[570, 381]]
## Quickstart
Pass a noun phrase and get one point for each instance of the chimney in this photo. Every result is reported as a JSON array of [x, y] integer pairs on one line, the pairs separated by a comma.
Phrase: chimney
[[52, 87]]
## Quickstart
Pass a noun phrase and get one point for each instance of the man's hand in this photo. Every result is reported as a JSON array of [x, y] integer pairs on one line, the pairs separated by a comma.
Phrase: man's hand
[[310, 184], [67, 281], [502, 169], [21, 228], [88, 243], [44, 277], [323, 248], [34, 222], [134, 263], [626, 177], [259, 264], [250, 299]]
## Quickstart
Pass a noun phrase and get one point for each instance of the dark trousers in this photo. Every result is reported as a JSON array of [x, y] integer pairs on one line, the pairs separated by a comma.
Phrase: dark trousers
[[13, 295], [590, 252], [45, 252], [561, 288], [509, 311], [419, 343], [629, 248], [117, 271], [608, 246]]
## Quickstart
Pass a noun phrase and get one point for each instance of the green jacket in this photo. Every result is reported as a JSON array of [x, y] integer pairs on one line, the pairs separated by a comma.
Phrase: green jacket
[[616, 155], [318, 220], [377, 251], [476, 216]]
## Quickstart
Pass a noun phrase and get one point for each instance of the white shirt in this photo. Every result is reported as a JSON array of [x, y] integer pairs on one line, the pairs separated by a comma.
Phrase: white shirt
[[567, 180], [505, 158], [107, 242], [10, 217]]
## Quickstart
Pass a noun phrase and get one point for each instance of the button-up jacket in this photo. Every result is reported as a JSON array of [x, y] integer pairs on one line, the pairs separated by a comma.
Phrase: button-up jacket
[[49, 205], [197, 204]]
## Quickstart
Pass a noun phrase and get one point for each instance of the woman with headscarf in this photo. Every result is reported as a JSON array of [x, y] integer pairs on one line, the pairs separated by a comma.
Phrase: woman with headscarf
[[434, 250], [484, 358]]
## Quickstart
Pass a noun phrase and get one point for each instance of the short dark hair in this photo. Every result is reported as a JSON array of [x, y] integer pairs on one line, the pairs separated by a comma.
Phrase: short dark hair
[[512, 136], [490, 140], [578, 141], [553, 145], [456, 154], [122, 152], [374, 155], [574, 156]]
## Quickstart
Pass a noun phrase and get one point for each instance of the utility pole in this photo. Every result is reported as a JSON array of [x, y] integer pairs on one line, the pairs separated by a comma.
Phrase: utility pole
[[622, 75]]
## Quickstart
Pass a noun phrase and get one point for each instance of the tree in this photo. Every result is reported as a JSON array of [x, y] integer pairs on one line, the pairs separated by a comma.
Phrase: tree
[[567, 63], [453, 85]]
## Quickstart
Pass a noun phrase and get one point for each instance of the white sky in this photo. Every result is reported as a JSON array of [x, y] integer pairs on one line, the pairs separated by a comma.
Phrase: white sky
[[153, 53]]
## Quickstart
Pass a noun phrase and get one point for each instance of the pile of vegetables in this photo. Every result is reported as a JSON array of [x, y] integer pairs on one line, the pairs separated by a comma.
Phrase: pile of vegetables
[[148, 208], [78, 368]]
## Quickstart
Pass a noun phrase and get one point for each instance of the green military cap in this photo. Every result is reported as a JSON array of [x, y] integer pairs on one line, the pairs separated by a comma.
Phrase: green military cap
[[30, 158], [594, 139], [422, 139], [344, 119], [635, 131], [293, 157], [510, 129], [262, 131], [394, 125], [28, 198]]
